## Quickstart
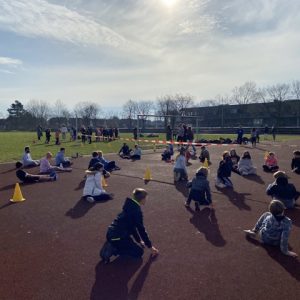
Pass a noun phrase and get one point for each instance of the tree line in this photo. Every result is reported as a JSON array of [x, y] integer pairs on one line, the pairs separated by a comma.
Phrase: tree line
[[39, 112]]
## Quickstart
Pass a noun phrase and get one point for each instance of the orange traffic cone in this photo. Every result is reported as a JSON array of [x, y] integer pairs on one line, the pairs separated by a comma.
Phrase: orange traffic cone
[[103, 181], [147, 175], [17, 197]]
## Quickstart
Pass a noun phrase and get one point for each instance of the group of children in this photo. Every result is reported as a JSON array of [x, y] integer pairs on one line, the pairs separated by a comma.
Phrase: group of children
[[272, 227]]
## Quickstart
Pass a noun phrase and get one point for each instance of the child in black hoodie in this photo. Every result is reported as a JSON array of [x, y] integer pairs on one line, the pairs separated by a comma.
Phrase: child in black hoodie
[[129, 223], [296, 162]]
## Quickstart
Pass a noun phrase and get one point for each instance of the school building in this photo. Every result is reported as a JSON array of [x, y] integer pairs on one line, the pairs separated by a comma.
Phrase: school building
[[277, 113]]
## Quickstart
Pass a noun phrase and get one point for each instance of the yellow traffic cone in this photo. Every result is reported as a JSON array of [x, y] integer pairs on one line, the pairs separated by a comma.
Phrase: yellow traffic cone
[[104, 182], [205, 164], [17, 197], [147, 175]]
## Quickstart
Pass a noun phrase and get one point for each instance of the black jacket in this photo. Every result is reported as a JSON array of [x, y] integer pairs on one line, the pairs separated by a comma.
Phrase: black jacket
[[129, 222], [225, 168], [295, 163]]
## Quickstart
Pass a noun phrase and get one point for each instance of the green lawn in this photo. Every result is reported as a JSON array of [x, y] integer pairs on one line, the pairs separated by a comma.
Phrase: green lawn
[[13, 143]]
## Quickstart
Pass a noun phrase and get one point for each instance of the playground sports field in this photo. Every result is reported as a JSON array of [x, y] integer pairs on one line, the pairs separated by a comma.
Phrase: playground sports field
[[49, 244]]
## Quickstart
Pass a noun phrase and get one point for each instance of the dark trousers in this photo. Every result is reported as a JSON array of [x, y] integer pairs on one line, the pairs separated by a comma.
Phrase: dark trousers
[[128, 247], [110, 166], [136, 157], [103, 196], [297, 171], [270, 168]]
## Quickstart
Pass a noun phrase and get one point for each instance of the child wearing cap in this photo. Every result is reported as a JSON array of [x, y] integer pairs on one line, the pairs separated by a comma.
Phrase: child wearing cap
[[273, 228], [200, 190]]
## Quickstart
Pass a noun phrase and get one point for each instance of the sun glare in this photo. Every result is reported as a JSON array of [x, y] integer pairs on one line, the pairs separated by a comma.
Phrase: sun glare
[[169, 3]]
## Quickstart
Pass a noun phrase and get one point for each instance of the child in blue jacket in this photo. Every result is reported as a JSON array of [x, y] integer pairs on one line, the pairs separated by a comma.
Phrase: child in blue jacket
[[273, 228], [200, 190]]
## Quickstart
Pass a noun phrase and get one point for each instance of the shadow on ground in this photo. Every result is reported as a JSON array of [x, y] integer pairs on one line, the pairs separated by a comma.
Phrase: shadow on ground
[[206, 222], [111, 282], [290, 264]]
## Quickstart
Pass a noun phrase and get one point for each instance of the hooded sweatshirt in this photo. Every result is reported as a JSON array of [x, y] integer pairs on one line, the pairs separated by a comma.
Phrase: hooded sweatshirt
[[129, 222], [283, 191], [274, 230], [201, 185]]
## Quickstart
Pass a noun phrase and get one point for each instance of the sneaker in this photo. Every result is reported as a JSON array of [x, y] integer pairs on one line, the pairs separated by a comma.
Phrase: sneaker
[[117, 168], [250, 232], [220, 185], [186, 204], [90, 199], [53, 176]]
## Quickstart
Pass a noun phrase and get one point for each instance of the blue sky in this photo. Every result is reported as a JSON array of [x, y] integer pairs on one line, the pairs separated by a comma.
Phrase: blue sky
[[109, 51]]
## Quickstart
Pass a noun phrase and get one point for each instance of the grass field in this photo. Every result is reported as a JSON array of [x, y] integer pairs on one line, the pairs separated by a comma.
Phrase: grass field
[[13, 143]]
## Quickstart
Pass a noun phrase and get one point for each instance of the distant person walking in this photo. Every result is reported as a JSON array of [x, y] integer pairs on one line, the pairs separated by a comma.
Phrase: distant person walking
[[240, 133], [273, 131], [39, 132], [169, 133], [266, 132]]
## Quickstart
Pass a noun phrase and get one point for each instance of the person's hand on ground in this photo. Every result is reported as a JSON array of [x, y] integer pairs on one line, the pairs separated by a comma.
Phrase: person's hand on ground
[[142, 244], [154, 252], [250, 232]]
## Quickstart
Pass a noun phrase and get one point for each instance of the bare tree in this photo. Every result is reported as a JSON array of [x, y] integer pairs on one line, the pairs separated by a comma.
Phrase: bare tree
[[40, 110], [296, 89], [144, 108], [246, 93], [182, 102], [278, 91], [130, 109], [87, 111]]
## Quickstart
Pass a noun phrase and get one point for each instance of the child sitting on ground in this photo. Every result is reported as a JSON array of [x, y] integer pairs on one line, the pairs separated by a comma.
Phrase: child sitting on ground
[[47, 168], [271, 164], [235, 159], [93, 190], [204, 154], [166, 155], [180, 172], [273, 228], [245, 166], [296, 162], [200, 190], [61, 160], [224, 172], [282, 190], [30, 178], [27, 160], [125, 151], [136, 153], [109, 165]]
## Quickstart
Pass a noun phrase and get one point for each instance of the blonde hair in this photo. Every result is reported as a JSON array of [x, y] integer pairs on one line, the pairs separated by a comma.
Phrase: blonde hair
[[100, 152], [224, 154], [139, 194], [279, 174]]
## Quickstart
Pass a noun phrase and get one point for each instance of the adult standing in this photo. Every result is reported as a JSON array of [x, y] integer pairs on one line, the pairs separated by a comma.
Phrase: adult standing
[[135, 133], [169, 133], [273, 131], [39, 132], [240, 133]]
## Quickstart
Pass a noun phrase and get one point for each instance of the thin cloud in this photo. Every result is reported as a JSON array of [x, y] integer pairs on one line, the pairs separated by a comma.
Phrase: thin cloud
[[10, 61], [38, 18]]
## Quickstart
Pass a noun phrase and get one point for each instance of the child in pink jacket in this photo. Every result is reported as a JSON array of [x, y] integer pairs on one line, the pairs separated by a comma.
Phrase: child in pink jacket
[[271, 164]]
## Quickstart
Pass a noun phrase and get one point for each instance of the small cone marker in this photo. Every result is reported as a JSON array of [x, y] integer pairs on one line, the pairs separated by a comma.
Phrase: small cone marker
[[205, 164], [104, 183], [147, 175], [17, 197]]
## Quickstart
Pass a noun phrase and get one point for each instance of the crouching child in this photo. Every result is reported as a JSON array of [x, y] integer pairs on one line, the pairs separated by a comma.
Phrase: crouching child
[[200, 190]]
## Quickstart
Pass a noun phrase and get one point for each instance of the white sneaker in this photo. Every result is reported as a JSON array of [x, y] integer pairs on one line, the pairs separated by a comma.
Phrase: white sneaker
[[220, 185], [90, 199]]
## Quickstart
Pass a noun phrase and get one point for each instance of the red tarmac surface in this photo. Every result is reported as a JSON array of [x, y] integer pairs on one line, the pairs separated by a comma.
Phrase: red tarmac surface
[[49, 244]]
